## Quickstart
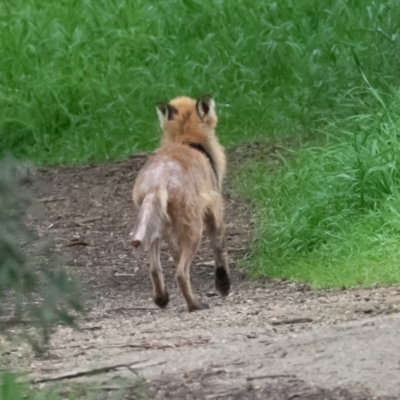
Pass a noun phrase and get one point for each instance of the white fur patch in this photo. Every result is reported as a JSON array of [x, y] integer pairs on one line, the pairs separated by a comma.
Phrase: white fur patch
[[211, 113], [161, 117], [168, 172]]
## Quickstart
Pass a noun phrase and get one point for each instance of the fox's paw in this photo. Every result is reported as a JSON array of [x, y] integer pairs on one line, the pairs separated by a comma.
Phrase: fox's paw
[[162, 300], [222, 281]]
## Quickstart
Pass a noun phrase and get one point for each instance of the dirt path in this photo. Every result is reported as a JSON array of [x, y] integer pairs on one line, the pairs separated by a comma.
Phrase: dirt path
[[269, 339]]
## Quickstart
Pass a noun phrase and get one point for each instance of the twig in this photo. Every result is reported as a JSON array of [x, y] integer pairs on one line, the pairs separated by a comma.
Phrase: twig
[[78, 243], [85, 372], [252, 378], [142, 346], [130, 308], [224, 394], [82, 222], [292, 321]]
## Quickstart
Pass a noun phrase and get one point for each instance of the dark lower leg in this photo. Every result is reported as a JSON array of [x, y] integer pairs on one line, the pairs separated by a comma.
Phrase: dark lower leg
[[216, 233], [160, 294]]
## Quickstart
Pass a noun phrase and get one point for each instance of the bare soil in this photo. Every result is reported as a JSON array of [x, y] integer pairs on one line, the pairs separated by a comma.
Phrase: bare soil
[[269, 339]]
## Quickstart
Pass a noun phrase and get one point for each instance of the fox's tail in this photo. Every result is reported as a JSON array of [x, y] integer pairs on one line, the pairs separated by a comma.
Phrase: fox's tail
[[152, 214]]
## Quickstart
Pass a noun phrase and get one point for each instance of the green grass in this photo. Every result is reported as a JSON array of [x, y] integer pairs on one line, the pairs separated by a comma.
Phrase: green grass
[[12, 389], [330, 213], [79, 80]]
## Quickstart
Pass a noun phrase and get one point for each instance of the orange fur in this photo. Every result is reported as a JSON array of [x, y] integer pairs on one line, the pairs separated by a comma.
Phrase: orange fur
[[178, 191]]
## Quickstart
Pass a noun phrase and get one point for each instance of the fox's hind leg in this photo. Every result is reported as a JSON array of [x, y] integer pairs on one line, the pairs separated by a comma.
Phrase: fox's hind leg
[[161, 297], [216, 232], [188, 248], [170, 238]]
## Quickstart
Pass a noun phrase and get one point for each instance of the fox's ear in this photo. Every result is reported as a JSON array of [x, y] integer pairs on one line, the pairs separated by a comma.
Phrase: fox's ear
[[205, 105], [165, 112]]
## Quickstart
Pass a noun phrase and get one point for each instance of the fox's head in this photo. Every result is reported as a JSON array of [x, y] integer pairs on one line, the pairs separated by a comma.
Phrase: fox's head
[[187, 120]]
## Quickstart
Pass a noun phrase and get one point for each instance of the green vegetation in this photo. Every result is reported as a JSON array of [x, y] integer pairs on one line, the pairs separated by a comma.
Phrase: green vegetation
[[32, 289], [12, 389], [79, 80], [331, 214]]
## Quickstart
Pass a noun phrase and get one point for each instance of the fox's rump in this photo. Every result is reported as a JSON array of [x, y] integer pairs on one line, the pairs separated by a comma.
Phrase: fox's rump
[[181, 171], [171, 188]]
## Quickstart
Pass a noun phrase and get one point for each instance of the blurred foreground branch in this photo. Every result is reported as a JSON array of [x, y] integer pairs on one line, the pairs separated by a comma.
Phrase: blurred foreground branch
[[33, 290]]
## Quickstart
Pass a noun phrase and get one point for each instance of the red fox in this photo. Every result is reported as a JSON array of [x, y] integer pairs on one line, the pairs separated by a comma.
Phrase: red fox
[[179, 190]]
